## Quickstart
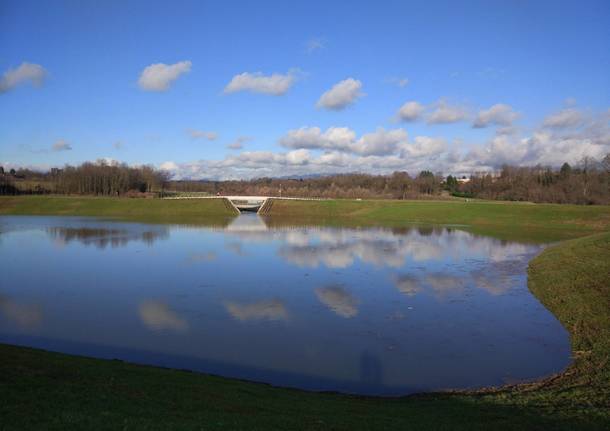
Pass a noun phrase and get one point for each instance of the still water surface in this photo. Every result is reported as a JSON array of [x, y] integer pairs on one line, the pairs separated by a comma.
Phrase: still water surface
[[370, 311]]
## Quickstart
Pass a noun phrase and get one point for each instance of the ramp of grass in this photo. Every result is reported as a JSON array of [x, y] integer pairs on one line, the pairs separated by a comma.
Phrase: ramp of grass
[[192, 211], [506, 220]]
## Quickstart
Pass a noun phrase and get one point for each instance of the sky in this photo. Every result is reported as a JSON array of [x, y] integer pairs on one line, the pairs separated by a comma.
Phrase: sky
[[242, 89]]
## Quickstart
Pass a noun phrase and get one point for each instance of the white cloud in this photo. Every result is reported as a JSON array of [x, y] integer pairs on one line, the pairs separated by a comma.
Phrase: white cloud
[[334, 138], [169, 166], [385, 151], [275, 84], [315, 44], [238, 143], [159, 76], [34, 73], [297, 157], [199, 134], [380, 142], [499, 115], [445, 113], [61, 145], [341, 95], [410, 111], [424, 146], [569, 117]]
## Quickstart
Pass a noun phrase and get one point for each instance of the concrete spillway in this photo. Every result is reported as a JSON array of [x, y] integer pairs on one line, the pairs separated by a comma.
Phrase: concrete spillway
[[258, 204], [247, 203]]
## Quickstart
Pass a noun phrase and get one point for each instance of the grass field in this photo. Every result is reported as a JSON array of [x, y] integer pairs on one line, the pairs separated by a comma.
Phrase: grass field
[[572, 279], [188, 211], [518, 221]]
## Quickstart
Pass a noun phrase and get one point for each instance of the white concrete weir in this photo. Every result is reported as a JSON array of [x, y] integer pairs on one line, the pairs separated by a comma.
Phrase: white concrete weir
[[247, 203], [258, 204]]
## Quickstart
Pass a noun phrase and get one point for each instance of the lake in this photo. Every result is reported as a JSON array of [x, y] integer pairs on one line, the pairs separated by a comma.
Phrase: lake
[[370, 311]]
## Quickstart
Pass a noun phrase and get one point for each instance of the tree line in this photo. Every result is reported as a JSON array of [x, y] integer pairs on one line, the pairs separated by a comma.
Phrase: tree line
[[90, 178], [399, 185], [588, 182]]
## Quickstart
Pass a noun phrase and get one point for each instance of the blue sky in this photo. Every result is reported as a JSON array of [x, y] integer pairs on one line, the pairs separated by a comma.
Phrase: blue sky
[[71, 87]]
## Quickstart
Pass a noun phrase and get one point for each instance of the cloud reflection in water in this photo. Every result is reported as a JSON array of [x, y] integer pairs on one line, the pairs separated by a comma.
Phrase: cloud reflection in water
[[157, 315], [273, 309], [26, 316], [338, 300]]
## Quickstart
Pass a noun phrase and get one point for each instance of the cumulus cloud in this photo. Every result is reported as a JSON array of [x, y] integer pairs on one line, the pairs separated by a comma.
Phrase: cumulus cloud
[[569, 117], [33, 73], [424, 146], [445, 113], [61, 145], [341, 95], [275, 84], [334, 138], [499, 115], [380, 142], [159, 76], [546, 145], [202, 134], [340, 150], [410, 111], [238, 143]]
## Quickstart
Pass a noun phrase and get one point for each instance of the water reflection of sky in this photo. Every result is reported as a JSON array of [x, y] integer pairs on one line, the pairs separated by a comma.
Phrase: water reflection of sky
[[384, 311]]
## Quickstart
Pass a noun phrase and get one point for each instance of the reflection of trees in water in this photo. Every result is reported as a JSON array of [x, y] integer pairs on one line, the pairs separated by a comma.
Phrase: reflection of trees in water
[[24, 315], [101, 237]]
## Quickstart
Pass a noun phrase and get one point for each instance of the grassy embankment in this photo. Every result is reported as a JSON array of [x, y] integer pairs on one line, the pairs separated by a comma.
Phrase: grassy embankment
[[50, 390], [518, 221], [187, 211], [505, 220]]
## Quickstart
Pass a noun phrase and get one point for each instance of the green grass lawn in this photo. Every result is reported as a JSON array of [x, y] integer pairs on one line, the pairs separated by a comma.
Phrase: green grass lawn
[[44, 390], [506, 220], [188, 211]]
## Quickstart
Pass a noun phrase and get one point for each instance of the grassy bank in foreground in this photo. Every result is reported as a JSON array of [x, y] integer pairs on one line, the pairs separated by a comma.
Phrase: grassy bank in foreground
[[506, 220], [54, 391], [146, 210]]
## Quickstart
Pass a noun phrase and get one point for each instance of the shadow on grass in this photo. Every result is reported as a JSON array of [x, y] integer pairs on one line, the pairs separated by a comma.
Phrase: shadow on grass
[[55, 391]]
